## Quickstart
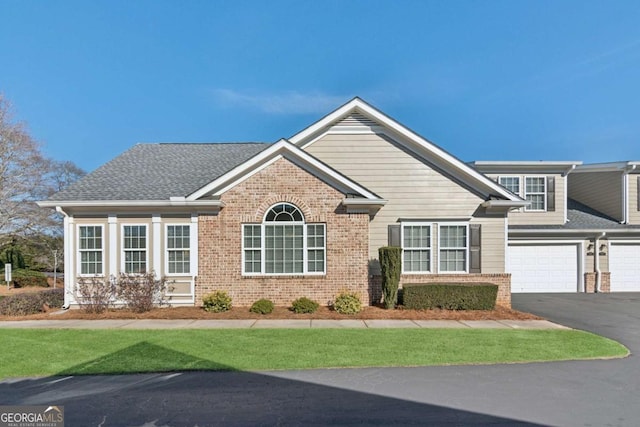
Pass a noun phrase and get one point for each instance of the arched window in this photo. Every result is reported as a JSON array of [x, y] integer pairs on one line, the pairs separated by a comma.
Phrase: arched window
[[283, 243]]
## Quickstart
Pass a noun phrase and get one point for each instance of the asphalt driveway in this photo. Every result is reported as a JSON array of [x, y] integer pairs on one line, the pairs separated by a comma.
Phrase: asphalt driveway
[[583, 393]]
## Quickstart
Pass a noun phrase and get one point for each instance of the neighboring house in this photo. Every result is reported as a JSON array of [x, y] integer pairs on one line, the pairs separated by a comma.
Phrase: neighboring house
[[581, 231], [306, 216]]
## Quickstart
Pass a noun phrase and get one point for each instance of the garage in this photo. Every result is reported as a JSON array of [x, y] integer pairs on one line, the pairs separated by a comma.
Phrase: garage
[[544, 268], [624, 265]]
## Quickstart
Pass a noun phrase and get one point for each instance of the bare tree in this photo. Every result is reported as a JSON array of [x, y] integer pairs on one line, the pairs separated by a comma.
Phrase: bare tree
[[25, 177]]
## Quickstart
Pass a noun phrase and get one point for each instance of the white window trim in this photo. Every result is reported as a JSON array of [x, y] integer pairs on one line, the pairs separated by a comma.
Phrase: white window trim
[[315, 248], [431, 249], [79, 251], [544, 192], [166, 250], [440, 248], [123, 249]]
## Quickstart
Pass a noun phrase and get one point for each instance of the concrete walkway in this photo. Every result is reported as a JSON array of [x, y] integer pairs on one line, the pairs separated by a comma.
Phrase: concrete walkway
[[288, 324]]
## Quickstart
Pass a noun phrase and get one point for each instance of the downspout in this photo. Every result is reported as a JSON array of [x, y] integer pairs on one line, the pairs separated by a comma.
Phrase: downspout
[[566, 193], [596, 261], [66, 253], [625, 193]]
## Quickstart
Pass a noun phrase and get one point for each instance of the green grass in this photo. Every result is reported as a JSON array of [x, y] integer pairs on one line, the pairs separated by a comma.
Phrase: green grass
[[39, 352]]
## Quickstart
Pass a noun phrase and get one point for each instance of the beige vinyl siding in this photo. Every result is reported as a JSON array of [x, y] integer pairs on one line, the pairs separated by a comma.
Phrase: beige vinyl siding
[[634, 213], [600, 190], [413, 189], [523, 217], [492, 237]]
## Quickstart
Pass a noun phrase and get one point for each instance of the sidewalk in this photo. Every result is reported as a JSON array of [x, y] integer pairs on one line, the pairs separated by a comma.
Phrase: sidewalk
[[281, 324]]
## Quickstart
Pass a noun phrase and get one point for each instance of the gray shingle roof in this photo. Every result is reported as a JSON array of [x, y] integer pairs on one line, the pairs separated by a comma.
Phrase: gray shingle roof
[[581, 217], [159, 171]]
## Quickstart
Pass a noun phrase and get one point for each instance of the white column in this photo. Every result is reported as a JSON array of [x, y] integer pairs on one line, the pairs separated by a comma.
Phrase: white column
[[193, 248], [69, 260], [112, 233], [157, 244]]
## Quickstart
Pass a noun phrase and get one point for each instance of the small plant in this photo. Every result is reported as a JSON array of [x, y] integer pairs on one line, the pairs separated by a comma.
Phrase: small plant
[[217, 302], [141, 292], [95, 294], [347, 303], [262, 306], [304, 305]]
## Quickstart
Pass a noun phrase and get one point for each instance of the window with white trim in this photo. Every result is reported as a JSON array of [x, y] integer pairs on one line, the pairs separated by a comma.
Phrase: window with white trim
[[134, 248], [283, 244], [178, 249], [416, 242], [511, 183], [90, 245], [454, 248], [535, 192]]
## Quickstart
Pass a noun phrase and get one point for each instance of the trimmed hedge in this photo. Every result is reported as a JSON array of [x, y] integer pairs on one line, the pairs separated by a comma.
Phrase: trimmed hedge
[[31, 303], [24, 278], [452, 296]]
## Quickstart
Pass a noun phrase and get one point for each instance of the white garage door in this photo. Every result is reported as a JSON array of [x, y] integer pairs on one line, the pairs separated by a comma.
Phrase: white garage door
[[543, 268], [624, 264]]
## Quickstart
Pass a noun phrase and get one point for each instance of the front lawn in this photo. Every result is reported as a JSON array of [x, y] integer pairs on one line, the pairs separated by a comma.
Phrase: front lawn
[[40, 352]]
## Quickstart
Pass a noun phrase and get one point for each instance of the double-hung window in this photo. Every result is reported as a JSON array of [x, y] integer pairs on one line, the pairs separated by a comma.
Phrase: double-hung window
[[511, 183], [283, 244], [134, 248], [178, 249], [535, 192], [90, 248], [454, 249], [416, 241]]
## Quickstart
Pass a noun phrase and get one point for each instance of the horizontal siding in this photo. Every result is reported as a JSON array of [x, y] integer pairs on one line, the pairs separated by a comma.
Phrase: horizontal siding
[[600, 190], [522, 217], [413, 190], [634, 213]]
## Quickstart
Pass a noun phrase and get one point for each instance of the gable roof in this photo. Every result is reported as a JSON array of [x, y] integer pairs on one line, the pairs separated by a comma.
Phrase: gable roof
[[158, 172], [363, 114], [285, 149]]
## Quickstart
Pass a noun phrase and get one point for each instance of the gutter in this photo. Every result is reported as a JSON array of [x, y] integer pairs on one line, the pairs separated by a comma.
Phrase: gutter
[[131, 203]]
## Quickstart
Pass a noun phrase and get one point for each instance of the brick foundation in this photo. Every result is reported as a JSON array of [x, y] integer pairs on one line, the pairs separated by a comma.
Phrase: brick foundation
[[503, 281], [590, 282], [220, 245]]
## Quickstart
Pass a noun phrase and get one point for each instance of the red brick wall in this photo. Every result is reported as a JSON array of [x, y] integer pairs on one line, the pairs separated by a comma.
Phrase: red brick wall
[[220, 246], [502, 280]]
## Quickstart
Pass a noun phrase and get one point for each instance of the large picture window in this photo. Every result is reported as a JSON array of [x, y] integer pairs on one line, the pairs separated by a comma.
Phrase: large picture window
[[134, 247], [90, 249], [178, 249], [283, 244]]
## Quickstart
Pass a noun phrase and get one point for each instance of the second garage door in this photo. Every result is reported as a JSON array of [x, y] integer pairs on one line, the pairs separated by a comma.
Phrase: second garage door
[[543, 268], [624, 264]]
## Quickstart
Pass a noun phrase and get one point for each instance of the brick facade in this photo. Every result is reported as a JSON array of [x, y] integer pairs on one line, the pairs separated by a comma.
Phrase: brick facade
[[590, 282], [220, 245], [503, 280]]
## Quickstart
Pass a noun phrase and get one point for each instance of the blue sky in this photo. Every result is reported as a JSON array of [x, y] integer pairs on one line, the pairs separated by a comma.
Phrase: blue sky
[[485, 80]]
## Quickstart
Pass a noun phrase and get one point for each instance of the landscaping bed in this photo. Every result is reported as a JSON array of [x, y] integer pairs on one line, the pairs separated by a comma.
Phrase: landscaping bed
[[323, 312]]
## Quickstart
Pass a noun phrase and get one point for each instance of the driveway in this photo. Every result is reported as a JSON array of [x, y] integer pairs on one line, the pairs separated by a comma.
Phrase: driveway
[[586, 393]]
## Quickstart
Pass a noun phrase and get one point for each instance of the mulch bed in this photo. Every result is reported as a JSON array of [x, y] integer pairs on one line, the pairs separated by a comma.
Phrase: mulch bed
[[372, 312]]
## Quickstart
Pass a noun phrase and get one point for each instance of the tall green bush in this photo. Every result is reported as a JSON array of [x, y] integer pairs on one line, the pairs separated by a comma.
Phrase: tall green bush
[[390, 265]]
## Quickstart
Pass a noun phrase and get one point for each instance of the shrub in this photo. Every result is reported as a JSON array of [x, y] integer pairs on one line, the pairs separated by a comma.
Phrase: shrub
[[347, 303], [304, 305], [450, 296], [24, 278], [390, 265], [31, 303], [95, 294], [54, 298], [217, 302], [262, 306], [141, 292]]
